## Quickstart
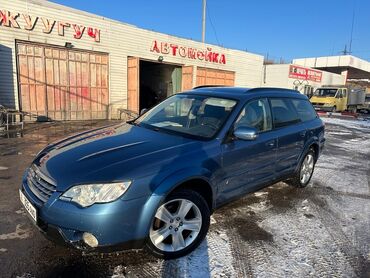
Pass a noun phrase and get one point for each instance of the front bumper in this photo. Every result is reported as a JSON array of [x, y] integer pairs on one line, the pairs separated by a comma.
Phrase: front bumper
[[58, 236], [117, 225], [324, 108]]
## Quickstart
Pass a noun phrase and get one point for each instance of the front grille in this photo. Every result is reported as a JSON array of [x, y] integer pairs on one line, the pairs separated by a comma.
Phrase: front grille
[[39, 184]]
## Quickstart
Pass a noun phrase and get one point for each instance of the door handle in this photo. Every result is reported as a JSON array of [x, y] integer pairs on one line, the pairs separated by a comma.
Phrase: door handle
[[302, 134], [270, 143]]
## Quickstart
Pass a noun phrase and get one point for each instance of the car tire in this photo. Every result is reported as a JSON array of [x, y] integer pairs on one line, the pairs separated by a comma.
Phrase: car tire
[[303, 176], [192, 226], [334, 109]]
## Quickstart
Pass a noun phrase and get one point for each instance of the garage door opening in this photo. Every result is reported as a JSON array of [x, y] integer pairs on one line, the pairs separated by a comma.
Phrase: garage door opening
[[157, 82]]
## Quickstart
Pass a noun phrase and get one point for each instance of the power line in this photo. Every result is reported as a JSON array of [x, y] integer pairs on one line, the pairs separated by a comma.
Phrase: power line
[[353, 23], [361, 51], [213, 27]]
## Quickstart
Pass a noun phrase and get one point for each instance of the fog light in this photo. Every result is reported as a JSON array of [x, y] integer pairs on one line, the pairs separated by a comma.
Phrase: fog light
[[90, 240]]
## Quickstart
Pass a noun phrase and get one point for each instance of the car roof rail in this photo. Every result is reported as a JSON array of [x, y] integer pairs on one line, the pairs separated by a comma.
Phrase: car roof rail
[[273, 88], [208, 86]]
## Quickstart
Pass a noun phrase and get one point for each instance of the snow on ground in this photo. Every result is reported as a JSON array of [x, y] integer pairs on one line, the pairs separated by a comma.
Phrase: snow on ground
[[286, 232], [347, 123], [281, 231], [19, 233], [213, 258]]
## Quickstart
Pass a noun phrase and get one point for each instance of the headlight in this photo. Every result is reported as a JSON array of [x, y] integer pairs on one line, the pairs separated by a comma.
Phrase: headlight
[[88, 194]]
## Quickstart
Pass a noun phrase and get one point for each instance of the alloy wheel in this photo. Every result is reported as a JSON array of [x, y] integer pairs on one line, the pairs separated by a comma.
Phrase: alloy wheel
[[176, 225], [307, 168]]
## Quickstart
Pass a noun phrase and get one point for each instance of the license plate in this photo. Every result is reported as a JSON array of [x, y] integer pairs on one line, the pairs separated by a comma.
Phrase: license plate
[[28, 206]]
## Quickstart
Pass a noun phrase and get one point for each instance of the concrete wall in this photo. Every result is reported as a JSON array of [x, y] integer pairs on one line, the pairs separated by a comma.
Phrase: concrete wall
[[334, 61], [278, 76], [118, 39]]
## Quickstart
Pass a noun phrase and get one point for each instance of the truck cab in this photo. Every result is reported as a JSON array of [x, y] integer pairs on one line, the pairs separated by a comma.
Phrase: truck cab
[[330, 99]]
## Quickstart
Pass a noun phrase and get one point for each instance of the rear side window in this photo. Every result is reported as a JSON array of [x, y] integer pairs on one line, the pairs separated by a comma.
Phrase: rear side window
[[304, 109], [284, 113]]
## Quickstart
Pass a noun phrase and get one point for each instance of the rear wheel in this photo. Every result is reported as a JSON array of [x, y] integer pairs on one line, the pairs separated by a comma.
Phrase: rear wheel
[[179, 225], [304, 175]]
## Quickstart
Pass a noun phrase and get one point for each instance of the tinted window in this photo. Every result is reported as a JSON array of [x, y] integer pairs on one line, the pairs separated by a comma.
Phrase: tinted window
[[255, 114], [304, 109], [283, 112]]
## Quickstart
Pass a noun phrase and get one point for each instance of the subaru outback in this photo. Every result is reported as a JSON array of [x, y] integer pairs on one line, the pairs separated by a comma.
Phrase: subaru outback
[[153, 182]]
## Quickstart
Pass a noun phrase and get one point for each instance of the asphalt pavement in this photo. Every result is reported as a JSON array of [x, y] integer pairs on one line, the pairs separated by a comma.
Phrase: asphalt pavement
[[281, 231]]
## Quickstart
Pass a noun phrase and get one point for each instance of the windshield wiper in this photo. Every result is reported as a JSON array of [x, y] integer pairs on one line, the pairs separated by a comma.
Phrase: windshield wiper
[[133, 123], [153, 127]]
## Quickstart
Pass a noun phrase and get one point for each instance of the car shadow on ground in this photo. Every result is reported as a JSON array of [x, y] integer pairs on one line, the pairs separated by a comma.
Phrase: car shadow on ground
[[55, 261]]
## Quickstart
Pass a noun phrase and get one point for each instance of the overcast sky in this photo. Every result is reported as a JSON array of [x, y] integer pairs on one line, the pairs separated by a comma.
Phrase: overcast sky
[[282, 28]]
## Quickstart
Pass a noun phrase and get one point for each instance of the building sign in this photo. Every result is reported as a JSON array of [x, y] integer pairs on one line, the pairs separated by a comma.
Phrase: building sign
[[27, 22], [188, 52], [305, 73]]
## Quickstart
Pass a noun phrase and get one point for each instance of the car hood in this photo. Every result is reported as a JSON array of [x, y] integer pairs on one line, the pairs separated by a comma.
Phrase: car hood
[[107, 154], [322, 99]]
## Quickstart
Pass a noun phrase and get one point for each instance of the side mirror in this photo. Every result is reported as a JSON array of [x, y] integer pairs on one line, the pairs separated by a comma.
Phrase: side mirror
[[246, 133], [143, 111]]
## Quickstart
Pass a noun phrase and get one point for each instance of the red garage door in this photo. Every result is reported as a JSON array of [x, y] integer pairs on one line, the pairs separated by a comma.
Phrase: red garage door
[[206, 76], [60, 84]]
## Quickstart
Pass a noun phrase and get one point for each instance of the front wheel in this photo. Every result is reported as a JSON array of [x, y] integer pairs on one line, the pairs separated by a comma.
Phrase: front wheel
[[179, 225], [304, 175]]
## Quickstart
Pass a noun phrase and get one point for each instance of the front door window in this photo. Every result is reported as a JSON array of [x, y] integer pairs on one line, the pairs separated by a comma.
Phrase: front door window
[[255, 114]]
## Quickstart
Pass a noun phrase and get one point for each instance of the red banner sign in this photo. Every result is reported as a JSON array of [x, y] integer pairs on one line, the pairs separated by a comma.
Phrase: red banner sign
[[188, 52], [27, 22], [305, 73]]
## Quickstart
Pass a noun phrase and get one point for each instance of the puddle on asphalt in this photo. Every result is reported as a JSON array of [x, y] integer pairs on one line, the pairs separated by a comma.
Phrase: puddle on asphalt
[[249, 230], [74, 269], [52, 129], [245, 214], [56, 261]]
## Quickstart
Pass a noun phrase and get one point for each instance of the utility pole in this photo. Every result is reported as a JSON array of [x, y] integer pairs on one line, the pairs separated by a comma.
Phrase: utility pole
[[204, 21], [345, 52]]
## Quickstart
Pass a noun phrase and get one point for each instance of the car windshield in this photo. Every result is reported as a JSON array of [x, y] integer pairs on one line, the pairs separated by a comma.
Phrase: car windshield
[[325, 92], [194, 115]]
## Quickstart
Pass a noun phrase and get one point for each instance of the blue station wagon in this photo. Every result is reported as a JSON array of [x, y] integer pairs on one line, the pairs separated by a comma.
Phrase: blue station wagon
[[153, 182]]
